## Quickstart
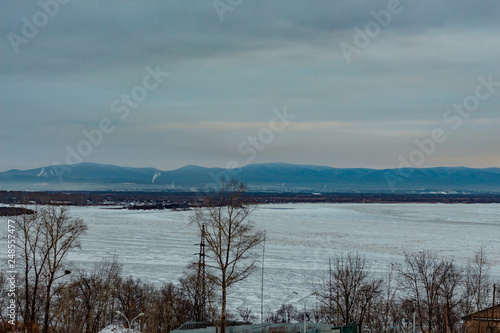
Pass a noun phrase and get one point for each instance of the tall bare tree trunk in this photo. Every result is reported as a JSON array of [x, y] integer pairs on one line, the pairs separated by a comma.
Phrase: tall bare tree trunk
[[47, 309], [229, 237], [223, 310]]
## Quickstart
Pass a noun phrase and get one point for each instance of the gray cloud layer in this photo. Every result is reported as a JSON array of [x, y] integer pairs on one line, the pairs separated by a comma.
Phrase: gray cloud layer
[[227, 76]]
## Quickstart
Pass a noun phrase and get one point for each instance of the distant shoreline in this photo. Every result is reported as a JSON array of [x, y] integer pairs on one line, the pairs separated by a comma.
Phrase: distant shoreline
[[187, 200]]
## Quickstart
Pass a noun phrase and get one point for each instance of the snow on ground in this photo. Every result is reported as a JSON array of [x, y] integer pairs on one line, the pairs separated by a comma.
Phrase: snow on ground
[[155, 246], [116, 329]]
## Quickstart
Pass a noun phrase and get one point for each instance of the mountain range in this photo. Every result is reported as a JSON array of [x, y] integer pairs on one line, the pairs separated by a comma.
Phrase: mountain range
[[268, 177]]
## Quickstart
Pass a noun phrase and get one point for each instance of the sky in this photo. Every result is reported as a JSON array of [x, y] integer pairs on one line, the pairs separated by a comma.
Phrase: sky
[[226, 83]]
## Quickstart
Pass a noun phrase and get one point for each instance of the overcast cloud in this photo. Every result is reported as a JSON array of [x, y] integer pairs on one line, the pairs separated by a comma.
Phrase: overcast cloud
[[227, 76]]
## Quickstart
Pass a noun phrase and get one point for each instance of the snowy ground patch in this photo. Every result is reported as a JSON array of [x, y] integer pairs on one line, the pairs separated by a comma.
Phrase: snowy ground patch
[[116, 329]]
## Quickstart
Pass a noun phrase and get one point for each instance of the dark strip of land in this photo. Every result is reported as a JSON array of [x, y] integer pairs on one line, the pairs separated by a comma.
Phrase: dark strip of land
[[183, 200], [15, 211]]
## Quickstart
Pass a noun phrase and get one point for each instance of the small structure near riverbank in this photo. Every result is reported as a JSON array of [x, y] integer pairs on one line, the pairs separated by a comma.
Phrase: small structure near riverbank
[[487, 320]]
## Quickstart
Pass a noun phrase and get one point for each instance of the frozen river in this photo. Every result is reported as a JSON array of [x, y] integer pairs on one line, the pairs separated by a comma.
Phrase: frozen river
[[155, 246]]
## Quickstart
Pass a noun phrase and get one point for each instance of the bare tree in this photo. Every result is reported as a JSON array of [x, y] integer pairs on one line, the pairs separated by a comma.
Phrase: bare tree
[[350, 290], [424, 279], [477, 283], [87, 304], [60, 234], [3, 295], [326, 293], [388, 302], [196, 290], [287, 312], [246, 314], [29, 242], [166, 309], [44, 240], [131, 297], [451, 298], [229, 237]]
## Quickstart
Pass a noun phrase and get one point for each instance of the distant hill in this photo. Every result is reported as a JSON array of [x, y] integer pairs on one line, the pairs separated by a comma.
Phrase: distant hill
[[268, 177]]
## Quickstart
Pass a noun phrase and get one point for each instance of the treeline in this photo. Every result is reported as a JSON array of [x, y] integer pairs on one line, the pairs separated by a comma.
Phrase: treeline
[[437, 291], [434, 291], [89, 301]]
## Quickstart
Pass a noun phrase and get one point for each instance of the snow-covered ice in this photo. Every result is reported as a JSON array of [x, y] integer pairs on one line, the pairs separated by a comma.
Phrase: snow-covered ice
[[155, 246]]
